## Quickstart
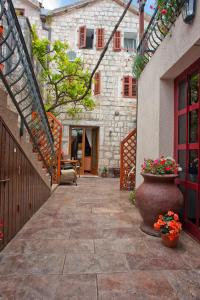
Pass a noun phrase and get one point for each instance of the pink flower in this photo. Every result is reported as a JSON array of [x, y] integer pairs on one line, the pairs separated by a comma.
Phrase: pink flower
[[156, 161]]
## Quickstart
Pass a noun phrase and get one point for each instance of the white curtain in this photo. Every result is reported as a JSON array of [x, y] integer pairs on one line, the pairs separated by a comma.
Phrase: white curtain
[[89, 136]]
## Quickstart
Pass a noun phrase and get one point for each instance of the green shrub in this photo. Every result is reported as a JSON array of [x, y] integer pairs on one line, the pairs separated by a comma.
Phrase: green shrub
[[132, 197]]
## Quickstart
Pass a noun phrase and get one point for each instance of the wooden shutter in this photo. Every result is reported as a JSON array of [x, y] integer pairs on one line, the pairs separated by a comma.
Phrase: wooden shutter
[[100, 38], [82, 37], [126, 88], [133, 87], [117, 41], [97, 84], [129, 87]]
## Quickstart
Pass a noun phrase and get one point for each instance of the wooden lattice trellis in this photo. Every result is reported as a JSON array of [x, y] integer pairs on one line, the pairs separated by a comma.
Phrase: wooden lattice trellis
[[128, 162], [56, 128]]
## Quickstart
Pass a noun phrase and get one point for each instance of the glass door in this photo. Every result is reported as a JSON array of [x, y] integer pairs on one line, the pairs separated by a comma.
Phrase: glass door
[[187, 144]]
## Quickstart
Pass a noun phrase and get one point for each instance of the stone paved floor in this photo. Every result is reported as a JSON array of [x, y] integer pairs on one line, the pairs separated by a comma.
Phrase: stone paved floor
[[85, 244]]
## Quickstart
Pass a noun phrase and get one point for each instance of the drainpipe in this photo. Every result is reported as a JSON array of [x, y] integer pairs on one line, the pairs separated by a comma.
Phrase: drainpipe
[[141, 33], [141, 18], [43, 17]]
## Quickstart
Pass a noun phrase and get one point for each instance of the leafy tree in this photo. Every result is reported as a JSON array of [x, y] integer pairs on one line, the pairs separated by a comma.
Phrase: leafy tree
[[65, 81]]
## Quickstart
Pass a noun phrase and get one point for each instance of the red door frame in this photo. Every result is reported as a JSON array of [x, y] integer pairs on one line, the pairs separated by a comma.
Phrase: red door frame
[[194, 229]]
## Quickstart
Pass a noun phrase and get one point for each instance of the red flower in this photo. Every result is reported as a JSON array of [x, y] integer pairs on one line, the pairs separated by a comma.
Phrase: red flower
[[168, 169], [164, 11]]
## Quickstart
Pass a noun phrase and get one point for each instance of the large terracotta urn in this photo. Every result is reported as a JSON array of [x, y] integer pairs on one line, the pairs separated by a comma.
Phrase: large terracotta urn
[[157, 195]]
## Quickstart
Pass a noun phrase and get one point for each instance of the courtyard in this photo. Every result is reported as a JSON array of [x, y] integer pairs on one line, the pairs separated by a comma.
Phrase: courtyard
[[85, 244]]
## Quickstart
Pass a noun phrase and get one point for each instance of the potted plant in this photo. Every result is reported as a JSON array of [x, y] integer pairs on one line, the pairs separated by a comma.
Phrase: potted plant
[[104, 172], [170, 228], [158, 193]]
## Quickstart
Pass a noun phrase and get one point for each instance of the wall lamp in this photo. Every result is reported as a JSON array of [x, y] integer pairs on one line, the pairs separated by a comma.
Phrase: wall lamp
[[189, 10]]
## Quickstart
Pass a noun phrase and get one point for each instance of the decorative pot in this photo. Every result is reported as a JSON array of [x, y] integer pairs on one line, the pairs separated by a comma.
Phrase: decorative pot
[[169, 243], [157, 195]]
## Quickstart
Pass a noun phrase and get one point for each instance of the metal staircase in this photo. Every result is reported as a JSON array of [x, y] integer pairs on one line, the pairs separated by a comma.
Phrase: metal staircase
[[17, 75]]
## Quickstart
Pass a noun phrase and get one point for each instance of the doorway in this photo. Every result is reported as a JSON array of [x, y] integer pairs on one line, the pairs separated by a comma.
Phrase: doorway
[[187, 144], [84, 147]]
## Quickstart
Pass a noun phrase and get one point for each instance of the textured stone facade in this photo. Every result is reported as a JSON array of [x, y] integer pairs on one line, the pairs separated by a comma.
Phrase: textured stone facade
[[114, 115]]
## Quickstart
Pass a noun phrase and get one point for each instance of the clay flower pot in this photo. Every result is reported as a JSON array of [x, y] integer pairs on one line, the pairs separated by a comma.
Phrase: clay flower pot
[[157, 195], [169, 243]]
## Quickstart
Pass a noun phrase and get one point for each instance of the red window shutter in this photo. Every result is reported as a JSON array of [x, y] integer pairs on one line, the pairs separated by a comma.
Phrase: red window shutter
[[126, 88], [100, 38], [133, 87], [82, 37], [117, 41], [97, 84], [129, 87]]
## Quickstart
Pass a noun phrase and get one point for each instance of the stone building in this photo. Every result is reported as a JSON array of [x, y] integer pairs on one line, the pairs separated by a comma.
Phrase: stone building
[[94, 138]]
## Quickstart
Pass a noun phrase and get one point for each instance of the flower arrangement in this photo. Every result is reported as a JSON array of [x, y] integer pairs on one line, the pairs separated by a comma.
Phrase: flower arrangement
[[1, 233], [167, 10], [169, 225], [161, 166]]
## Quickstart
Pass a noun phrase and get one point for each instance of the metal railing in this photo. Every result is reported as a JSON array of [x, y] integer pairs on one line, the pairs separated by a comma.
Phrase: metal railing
[[17, 75], [159, 26]]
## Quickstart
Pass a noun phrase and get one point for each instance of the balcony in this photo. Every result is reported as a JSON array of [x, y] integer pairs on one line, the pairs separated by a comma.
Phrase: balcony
[[163, 19]]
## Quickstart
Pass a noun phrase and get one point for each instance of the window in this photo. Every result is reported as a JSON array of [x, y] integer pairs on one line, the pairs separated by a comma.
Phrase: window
[[117, 41], [130, 41], [20, 12], [129, 87], [100, 38], [86, 38], [97, 84]]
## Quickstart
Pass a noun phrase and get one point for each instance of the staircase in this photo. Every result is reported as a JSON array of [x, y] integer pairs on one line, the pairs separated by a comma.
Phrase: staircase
[[19, 80], [12, 120]]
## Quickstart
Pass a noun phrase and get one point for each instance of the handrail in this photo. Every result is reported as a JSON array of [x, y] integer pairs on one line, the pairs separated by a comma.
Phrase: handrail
[[17, 74], [159, 26]]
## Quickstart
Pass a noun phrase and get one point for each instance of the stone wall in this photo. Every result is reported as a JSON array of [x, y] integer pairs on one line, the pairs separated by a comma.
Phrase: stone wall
[[114, 115]]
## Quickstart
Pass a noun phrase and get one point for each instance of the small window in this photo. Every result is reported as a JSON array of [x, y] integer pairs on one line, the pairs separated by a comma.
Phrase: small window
[[100, 38], [20, 12], [117, 41], [129, 87], [97, 83], [130, 41]]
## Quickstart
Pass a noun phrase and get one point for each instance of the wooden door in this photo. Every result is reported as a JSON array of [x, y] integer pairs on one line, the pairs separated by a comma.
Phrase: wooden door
[[95, 150], [187, 144]]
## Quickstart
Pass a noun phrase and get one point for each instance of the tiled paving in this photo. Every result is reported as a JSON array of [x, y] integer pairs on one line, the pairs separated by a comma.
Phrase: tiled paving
[[85, 244]]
